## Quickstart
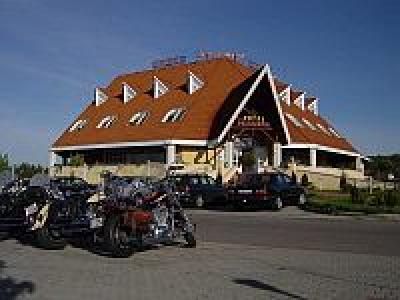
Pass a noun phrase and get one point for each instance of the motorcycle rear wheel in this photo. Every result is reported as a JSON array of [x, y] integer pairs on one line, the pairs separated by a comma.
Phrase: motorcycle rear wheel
[[116, 238]]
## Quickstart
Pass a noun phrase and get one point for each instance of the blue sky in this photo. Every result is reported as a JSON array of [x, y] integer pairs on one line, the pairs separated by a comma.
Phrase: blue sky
[[53, 53]]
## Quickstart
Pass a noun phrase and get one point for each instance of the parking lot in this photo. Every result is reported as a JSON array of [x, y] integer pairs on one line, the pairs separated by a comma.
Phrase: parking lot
[[255, 255]]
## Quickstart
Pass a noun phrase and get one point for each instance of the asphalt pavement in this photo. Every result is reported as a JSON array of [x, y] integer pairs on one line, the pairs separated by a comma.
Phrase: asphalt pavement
[[262, 255]]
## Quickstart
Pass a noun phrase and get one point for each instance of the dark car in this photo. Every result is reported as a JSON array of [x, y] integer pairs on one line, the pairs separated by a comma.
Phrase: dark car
[[267, 190], [199, 190]]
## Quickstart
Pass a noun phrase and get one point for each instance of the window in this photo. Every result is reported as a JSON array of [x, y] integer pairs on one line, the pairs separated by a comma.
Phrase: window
[[106, 122], [194, 180], [174, 115], [78, 125], [308, 123], [294, 120], [139, 118], [334, 132], [323, 129], [211, 180]]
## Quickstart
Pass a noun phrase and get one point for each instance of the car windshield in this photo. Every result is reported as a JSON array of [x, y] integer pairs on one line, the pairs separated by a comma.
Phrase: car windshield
[[254, 179]]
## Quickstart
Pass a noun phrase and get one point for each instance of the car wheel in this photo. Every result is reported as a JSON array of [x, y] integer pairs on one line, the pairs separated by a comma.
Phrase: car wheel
[[278, 203], [199, 201], [302, 199]]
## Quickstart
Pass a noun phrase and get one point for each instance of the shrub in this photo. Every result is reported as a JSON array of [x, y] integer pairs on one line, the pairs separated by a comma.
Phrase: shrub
[[294, 177], [304, 180], [77, 160]]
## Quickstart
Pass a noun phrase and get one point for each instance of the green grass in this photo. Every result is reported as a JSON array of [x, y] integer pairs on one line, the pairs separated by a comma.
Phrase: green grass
[[339, 203]]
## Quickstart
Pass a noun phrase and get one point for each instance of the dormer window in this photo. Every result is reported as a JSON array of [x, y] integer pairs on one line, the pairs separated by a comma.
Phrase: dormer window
[[128, 92], [106, 122], [334, 132], [78, 125], [299, 101], [312, 105], [194, 83], [309, 124], [284, 96], [159, 88], [139, 117], [294, 120], [99, 96], [174, 115]]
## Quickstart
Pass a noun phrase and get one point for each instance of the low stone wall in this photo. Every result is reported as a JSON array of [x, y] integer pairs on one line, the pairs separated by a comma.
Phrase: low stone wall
[[92, 173], [328, 178]]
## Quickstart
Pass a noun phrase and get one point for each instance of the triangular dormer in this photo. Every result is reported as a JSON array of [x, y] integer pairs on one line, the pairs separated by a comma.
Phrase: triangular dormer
[[128, 92], [299, 100], [100, 96], [194, 83], [284, 96], [159, 88], [312, 105]]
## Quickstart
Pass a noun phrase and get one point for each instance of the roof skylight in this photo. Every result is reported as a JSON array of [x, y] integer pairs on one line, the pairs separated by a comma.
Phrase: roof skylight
[[323, 129], [78, 125], [334, 132], [294, 120], [139, 117], [106, 122], [174, 115], [309, 124]]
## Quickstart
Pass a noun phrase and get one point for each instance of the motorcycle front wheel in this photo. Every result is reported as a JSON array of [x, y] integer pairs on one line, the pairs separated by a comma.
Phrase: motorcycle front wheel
[[190, 240], [49, 239], [116, 239]]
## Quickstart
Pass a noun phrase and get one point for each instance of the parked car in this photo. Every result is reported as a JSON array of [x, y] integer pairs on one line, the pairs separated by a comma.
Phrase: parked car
[[267, 190], [199, 190]]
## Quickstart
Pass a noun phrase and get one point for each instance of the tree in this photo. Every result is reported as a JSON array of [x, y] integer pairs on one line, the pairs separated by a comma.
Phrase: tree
[[304, 180], [77, 160], [26, 170], [4, 163]]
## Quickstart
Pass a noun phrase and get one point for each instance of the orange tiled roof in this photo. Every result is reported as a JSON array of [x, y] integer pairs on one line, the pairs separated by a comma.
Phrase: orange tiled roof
[[305, 135], [220, 76]]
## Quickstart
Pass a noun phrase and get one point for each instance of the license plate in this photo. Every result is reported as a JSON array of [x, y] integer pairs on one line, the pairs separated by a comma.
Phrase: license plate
[[245, 191]]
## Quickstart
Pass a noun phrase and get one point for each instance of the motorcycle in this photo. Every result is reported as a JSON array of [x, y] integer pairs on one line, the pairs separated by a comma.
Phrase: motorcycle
[[148, 215], [46, 208]]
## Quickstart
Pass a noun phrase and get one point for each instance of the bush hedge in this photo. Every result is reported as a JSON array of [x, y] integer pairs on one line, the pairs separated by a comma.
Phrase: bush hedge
[[359, 200]]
